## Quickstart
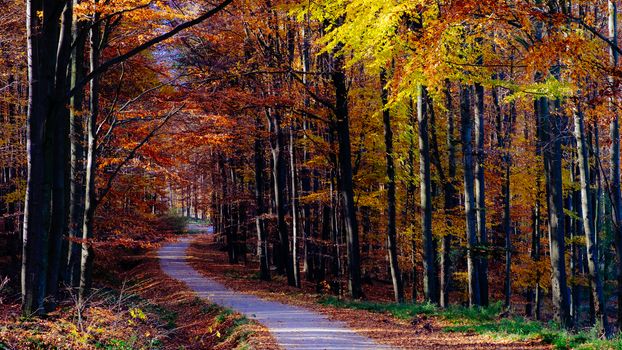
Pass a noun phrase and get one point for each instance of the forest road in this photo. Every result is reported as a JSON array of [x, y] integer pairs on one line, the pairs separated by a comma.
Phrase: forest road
[[293, 327]]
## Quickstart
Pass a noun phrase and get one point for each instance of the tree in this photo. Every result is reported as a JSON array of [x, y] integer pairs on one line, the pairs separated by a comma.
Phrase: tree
[[398, 287]]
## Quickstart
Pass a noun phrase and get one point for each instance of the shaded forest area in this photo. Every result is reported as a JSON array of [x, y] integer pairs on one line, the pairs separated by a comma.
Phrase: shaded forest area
[[452, 152]]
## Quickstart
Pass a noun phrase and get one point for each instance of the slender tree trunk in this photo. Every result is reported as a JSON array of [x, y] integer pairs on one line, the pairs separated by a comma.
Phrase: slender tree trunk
[[76, 167], [90, 197], [505, 142], [279, 173], [410, 195], [234, 215], [576, 254], [294, 201], [342, 127], [451, 201], [469, 198], [396, 277], [305, 181], [551, 124], [480, 194], [588, 223], [535, 255], [262, 239], [614, 132], [430, 287]]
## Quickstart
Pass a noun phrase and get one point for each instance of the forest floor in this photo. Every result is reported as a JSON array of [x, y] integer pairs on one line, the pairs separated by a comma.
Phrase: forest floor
[[421, 330], [134, 305]]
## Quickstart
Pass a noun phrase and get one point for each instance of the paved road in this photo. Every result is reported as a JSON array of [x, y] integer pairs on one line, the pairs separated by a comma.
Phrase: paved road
[[293, 327]]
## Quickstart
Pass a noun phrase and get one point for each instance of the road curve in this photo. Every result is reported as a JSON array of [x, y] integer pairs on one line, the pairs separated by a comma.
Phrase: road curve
[[293, 327]]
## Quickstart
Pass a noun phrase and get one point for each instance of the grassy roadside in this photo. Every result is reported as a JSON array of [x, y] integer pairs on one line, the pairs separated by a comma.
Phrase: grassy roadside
[[486, 321]]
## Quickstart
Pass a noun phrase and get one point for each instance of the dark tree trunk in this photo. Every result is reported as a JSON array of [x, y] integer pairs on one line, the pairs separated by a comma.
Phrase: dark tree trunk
[[450, 194], [469, 198], [262, 239], [342, 127], [58, 158], [430, 287], [76, 167], [396, 277], [614, 132], [279, 173], [550, 138], [42, 47], [480, 193]]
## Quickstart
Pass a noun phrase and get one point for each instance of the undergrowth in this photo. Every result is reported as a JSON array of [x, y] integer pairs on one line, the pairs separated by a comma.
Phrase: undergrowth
[[487, 321]]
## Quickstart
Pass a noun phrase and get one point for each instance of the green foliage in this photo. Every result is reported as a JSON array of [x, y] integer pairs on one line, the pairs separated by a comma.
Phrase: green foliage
[[551, 88], [401, 311], [117, 344], [486, 321], [460, 313], [176, 223], [223, 315]]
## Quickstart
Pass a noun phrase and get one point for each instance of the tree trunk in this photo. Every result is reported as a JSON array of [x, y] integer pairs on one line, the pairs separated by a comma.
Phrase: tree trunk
[[430, 288], [469, 198], [480, 194], [76, 167], [550, 139], [535, 255], [42, 40], [614, 132], [410, 195], [451, 201], [262, 239], [294, 201], [58, 158], [347, 187], [396, 277], [90, 197], [279, 173], [588, 222]]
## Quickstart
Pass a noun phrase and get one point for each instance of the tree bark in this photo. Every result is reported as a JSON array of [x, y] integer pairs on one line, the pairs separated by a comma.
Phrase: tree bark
[[614, 132], [430, 287], [90, 196], [552, 155], [59, 136], [469, 198], [294, 201], [76, 162], [589, 224], [42, 30], [480, 194], [451, 201], [279, 173], [262, 239], [396, 277], [342, 127]]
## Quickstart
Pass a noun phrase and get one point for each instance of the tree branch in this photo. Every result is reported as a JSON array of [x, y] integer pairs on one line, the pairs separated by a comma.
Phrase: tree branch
[[132, 153], [140, 48]]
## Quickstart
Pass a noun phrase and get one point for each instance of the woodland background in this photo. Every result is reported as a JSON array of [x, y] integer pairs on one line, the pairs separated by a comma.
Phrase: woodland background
[[458, 152]]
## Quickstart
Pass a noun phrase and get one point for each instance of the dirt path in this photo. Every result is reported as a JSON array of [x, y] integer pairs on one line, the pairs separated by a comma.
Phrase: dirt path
[[293, 327]]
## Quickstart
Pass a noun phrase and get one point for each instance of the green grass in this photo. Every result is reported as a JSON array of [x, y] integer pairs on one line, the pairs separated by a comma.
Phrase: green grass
[[486, 321], [401, 311]]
